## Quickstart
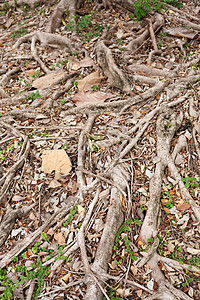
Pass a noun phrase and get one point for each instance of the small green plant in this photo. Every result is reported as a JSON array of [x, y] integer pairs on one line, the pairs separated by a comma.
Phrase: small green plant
[[45, 134], [95, 87], [143, 7], [7, 284], [33, 96], [190, 182], [194, 66], [44, 236], [65, 147], [137, 221], [188, 281], [163, 34], [35, 74], [30, 135], [38, 273], [120, 41], [62, 101], [111, 294], [4, 152], [58, 64], [122, 229], [72, 212], [19, 32], [75, 53], [168, 202], [160, 45], [35, 249], [143, 207], [85, 28], [128, 250]]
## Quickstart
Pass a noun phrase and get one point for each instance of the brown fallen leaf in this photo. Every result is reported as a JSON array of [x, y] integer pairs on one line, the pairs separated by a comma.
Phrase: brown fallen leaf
[[84, 63], [193, 251], [66, 277], [48, 80], [9, 23], [183, 206], [50, 231], [181, 32], [139, 293], [83, 99], [56, 160], [167, 253], [59, 238], [30, 72], [54, 184], [86, 83]]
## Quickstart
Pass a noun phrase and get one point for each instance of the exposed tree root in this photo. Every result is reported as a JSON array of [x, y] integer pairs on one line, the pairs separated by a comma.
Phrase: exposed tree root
[[48, 39], [6, 180], [115, 76], [113, 222], [63, 6], [159, 21], [9, 220], [81, 151], [167, 124]]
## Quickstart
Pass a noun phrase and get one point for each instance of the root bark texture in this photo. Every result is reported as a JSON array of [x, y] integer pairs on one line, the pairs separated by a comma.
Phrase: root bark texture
[[167, 124]]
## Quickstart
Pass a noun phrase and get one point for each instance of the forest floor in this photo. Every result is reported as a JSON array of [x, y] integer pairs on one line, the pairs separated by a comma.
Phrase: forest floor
[[99, 153]]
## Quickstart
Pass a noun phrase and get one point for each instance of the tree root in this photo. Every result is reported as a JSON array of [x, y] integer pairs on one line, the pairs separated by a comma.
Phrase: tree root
[[115, 76], [159, 22], [48, 39], [81, 151], [64, 5], [104, 250], [167, 124], [9, 220], [6, 180]]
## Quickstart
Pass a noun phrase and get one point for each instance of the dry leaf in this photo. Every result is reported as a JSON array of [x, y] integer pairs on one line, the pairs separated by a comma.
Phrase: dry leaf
[[170, 247], [193, 251], [90, 80], [32, 216], [81, 210], [83, 99], [74, 187], [59, 238], [50, 231], [66, 277], [56, 160], [104, 194], [17, 198], [9, 23], [48, 80], [124, 292], [166, 253], [181, 32], [183, 206], [54, 184], [84, 63], [134, 269], [139, 293]]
